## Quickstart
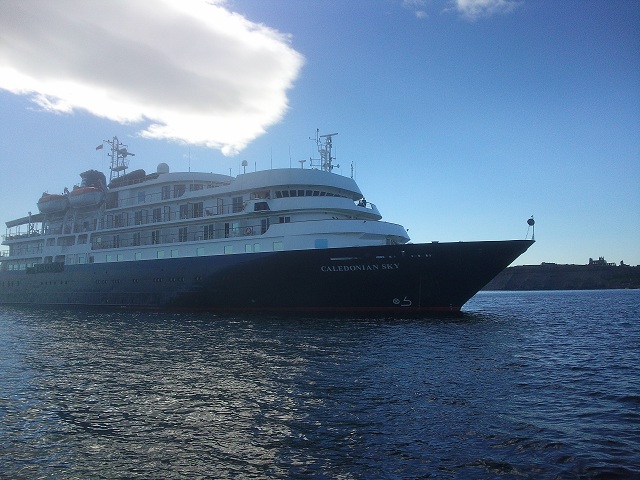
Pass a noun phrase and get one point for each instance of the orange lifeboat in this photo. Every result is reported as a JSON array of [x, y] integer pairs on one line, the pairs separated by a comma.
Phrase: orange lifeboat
[[86, 196], [52, 203]]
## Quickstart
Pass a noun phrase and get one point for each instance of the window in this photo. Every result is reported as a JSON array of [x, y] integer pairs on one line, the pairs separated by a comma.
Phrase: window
[[166, 192], [237, 204], [264, 225], [155, 237], [227, 230], [200, 251], [136, 239], [138, 256], [208, 232], [141, 196], [174, 253], [220, 204], [178, 191], [278, 246], [284, 219], [182, 234], [256, 247], [184, 211], [197, 210], [157, 215], [116, 241], [195, 186], [138, 217], [160, 254], [248, 248], [228, 249]]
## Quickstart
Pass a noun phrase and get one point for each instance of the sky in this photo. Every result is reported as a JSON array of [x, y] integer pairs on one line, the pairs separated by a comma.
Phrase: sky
[[459, 119]]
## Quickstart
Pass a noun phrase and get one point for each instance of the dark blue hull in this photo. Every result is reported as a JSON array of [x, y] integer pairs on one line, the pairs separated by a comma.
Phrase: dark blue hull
[[393, 279]]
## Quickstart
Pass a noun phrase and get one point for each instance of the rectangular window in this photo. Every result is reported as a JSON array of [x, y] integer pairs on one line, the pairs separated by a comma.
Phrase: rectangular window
[[160, 254], [256, 247], [237, 204], [174, 253], [184, 211], [228, 249], [208, 232], [166, 192], [82, 260], [248, 248], [200, 251], [278, 246], [155, 237], [138, 256], [182, 234], [220, 205], [120, 257], [264, 225], [136, 239], [138, 217], [141, 196], [116, 241], [157, 215], [197, 210], [284, 219]]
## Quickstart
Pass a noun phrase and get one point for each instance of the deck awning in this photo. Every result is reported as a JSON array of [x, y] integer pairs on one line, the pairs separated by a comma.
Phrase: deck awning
[[38, 217]]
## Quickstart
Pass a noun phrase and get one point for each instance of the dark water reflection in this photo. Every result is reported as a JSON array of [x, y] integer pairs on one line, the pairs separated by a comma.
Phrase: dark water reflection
[[537, 385]]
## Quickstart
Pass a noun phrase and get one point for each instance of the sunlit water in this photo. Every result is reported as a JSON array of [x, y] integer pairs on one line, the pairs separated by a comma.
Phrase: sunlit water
[[523, 385]]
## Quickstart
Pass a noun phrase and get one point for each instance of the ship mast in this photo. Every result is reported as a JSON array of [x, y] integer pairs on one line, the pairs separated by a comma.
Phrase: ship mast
[[325, 144], [119, 161]]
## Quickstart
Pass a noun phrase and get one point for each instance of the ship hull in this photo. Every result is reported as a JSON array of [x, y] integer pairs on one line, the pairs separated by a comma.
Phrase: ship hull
[[399, 280]]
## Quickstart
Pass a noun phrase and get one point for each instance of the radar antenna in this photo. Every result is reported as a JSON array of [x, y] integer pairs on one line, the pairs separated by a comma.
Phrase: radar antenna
[[119, 161], [325, 144], [532, 226]]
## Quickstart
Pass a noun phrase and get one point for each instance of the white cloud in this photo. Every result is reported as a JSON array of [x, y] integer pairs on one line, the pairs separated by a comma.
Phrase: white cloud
[[474, 9], [417, 6], [188, 70]]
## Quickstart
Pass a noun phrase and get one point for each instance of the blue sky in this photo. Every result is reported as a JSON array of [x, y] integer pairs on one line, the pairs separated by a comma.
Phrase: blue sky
[[461, 118]]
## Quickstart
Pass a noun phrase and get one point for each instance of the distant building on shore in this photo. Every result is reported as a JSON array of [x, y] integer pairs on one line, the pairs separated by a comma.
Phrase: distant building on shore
[[601, 262]]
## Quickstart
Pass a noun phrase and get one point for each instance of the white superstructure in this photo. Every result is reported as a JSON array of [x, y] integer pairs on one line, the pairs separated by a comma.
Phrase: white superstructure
[[143, 216]]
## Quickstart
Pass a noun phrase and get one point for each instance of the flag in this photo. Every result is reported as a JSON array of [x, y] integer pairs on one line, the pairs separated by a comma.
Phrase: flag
[[99, 147]]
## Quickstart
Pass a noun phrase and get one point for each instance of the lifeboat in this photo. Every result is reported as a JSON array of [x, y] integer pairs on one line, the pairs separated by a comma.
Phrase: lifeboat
[[86, 197], [52, 203]]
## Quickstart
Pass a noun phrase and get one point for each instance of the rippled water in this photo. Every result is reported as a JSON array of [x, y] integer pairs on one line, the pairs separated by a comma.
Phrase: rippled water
[[523, 385]]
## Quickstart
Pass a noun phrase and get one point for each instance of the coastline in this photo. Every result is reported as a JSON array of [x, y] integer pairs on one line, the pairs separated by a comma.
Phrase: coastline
[[551, 276]]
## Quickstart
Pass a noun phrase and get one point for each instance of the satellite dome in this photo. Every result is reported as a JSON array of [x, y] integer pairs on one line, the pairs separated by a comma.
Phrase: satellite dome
[[163, 168]]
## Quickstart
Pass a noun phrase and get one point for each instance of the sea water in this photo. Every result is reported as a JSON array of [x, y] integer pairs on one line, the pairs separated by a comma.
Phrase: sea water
[[522, 385]]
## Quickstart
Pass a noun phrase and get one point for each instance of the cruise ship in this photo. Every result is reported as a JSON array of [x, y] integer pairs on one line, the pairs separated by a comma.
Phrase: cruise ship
[[290, 240]]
